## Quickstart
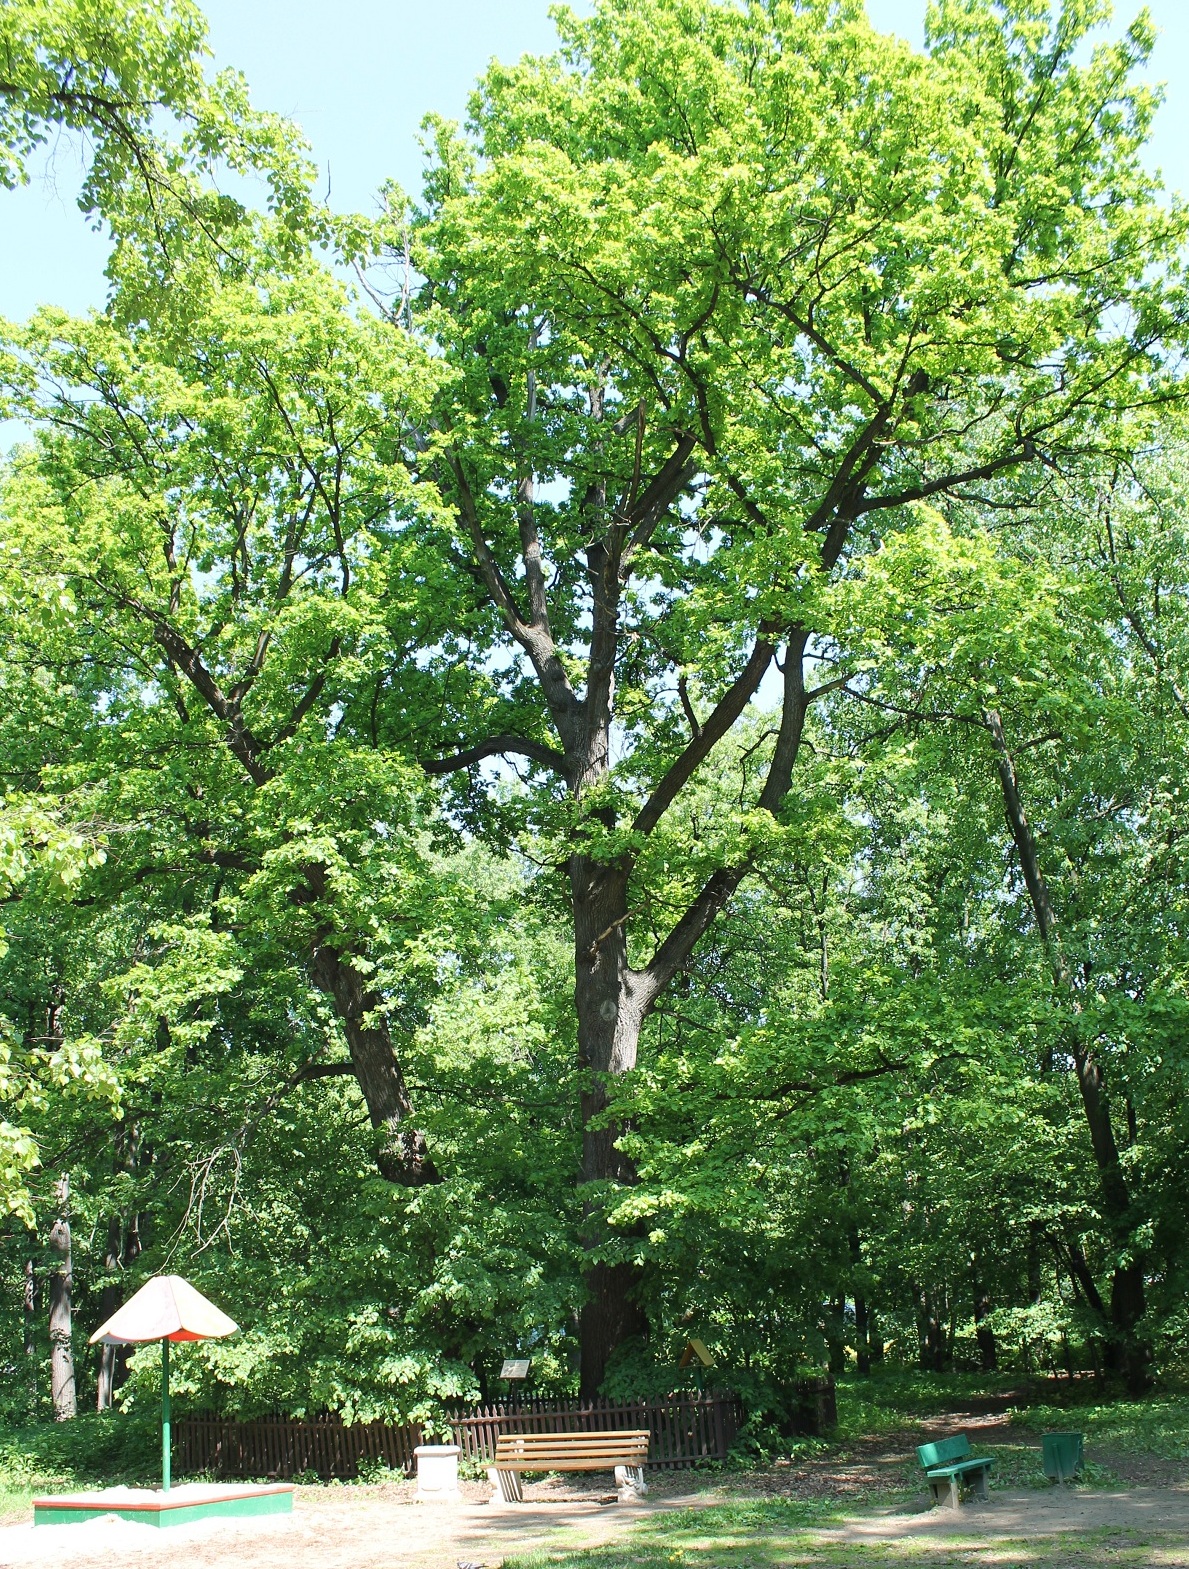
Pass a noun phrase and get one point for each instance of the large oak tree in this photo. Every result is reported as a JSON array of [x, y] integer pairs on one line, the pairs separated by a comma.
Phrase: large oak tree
[[721, 290]]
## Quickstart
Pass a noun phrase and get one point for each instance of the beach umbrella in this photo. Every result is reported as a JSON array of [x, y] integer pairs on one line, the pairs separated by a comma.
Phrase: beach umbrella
[[166, 1308]]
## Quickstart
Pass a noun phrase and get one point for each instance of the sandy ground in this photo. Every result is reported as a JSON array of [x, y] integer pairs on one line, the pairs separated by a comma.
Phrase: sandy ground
[[383, 1529], [351, 1529]]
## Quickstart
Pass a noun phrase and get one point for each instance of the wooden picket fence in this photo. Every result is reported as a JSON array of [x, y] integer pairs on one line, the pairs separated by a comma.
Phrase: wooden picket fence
[[686, 1430], [282, 1446]]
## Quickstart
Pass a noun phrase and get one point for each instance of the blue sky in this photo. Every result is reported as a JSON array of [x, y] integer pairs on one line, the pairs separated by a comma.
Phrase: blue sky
[[358, 75]]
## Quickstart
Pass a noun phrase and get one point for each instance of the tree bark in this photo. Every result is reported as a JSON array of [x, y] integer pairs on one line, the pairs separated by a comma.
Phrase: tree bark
[[1128, 1353], [1035, 1239], [610, 1316], [862, 1317], [874, 1338], [988, 1351], [836, 1336], [930, 1335], [610, 1008], [401, 1153], [61, 1282], [612, 999], [123, 1248], [30, 1327], [109, 1300], [862, 1332]]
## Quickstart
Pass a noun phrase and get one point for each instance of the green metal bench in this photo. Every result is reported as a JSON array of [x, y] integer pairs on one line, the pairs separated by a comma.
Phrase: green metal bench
[[946, 1465]]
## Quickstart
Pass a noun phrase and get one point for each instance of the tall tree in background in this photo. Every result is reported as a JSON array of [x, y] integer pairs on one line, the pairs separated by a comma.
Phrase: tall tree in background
[[721, 291], [219, 498], [1021, 652], [61, 1286]]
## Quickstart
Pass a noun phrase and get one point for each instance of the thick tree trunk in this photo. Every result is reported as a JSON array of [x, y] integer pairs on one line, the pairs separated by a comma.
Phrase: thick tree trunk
[[1035, 1240], [401, 1153], [610, 1009], [862, 1316], [988, 1351], [61, 1284], [1132, 1352], [123, 1248], [610, 1316], [109, 1300], [612, 999], [874, 1338]]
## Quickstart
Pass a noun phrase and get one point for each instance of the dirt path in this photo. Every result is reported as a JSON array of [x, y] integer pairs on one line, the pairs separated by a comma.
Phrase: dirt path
[[883, 1467], [351, 1528], [380, 1529]]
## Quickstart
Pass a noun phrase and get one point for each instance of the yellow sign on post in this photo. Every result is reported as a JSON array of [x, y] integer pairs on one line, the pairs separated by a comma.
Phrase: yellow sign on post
[[695, 1352]]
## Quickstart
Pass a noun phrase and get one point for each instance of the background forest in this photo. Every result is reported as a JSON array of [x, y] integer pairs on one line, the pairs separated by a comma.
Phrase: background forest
[[599, 756]]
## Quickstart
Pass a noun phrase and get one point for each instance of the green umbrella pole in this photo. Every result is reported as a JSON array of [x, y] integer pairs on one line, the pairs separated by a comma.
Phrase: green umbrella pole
[[165, 1416]]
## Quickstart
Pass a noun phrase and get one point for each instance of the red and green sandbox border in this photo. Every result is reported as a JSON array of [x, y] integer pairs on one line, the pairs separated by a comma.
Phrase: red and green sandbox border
[[165, 1509]]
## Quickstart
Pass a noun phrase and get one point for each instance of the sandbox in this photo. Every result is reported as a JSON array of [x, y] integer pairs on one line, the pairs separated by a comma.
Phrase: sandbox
[[179, 1506]]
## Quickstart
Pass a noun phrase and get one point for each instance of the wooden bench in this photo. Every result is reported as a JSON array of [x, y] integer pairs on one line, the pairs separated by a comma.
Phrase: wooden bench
[[622, 1452], [947, 1466]]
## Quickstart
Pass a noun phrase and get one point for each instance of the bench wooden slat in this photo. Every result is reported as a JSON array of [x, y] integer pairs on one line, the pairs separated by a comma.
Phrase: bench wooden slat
[[576, 1450], [568, 1438], [550, 1443], [570, 1451], [577, 1434], [568, 1454], [555, 1459], [607, 1464]]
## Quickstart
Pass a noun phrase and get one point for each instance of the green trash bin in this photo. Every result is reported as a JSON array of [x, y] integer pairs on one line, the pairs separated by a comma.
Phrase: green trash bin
[[1061, 1455]]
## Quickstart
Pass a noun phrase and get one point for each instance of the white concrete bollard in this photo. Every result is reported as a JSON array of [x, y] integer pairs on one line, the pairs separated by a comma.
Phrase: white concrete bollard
[[437, 1472], [630, 1483]]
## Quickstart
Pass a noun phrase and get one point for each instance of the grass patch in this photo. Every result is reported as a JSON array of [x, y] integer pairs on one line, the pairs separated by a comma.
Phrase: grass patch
[[1158, 1425], [744, 1532], [888, 1402], [777, 1536]]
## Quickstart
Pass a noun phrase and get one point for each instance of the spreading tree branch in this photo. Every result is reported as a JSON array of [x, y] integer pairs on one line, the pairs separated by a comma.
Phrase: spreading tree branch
[[499, 746]]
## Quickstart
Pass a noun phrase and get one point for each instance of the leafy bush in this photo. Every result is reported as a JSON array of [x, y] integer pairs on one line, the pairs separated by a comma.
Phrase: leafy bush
[[95, 1449]]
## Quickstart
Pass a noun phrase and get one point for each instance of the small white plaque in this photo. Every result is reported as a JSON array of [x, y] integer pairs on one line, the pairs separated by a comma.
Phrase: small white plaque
[[515, 1369]]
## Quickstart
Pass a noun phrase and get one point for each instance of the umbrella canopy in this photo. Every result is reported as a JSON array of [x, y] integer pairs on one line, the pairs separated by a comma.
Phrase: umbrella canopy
[[166, 1308]]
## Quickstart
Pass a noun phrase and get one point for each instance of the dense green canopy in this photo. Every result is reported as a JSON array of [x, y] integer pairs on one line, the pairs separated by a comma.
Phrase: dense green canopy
[[600, 757]]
